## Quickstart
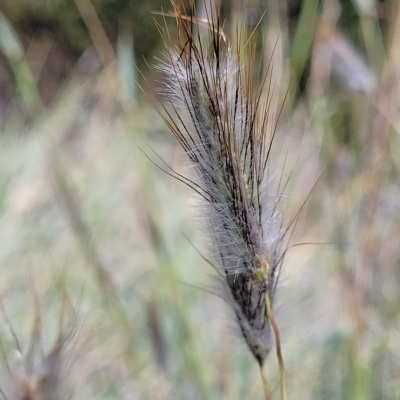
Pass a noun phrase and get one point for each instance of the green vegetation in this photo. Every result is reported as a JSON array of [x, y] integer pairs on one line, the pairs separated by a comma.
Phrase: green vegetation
[[92, 230]]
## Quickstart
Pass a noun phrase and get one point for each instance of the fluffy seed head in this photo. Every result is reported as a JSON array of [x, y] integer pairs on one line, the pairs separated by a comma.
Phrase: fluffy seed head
[[41, 375], [224, 127]]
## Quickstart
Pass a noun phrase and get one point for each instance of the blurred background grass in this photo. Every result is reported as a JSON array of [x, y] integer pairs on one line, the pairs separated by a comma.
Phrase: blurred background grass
[[81, 204]]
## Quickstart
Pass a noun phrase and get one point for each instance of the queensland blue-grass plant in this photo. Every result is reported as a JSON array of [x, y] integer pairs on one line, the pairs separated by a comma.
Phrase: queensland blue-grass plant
[[214, 104]]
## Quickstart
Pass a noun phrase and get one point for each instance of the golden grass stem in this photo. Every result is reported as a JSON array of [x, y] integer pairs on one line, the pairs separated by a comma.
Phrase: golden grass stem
[[96, 31], [267, 392], [278, 346]]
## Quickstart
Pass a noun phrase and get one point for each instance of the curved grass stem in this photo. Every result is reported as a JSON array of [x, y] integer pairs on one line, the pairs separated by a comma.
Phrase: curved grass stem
[[267, 392], [278, 347]]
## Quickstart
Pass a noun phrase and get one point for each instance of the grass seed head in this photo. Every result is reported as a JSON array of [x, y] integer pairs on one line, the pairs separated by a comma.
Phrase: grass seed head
[[42, 375], [223, 124]]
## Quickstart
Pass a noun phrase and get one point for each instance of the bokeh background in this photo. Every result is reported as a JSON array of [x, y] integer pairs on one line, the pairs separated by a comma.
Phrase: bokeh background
[[105, 293]]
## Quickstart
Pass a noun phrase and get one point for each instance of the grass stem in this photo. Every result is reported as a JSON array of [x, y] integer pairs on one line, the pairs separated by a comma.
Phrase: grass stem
[[265, 384], [278, 346]]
